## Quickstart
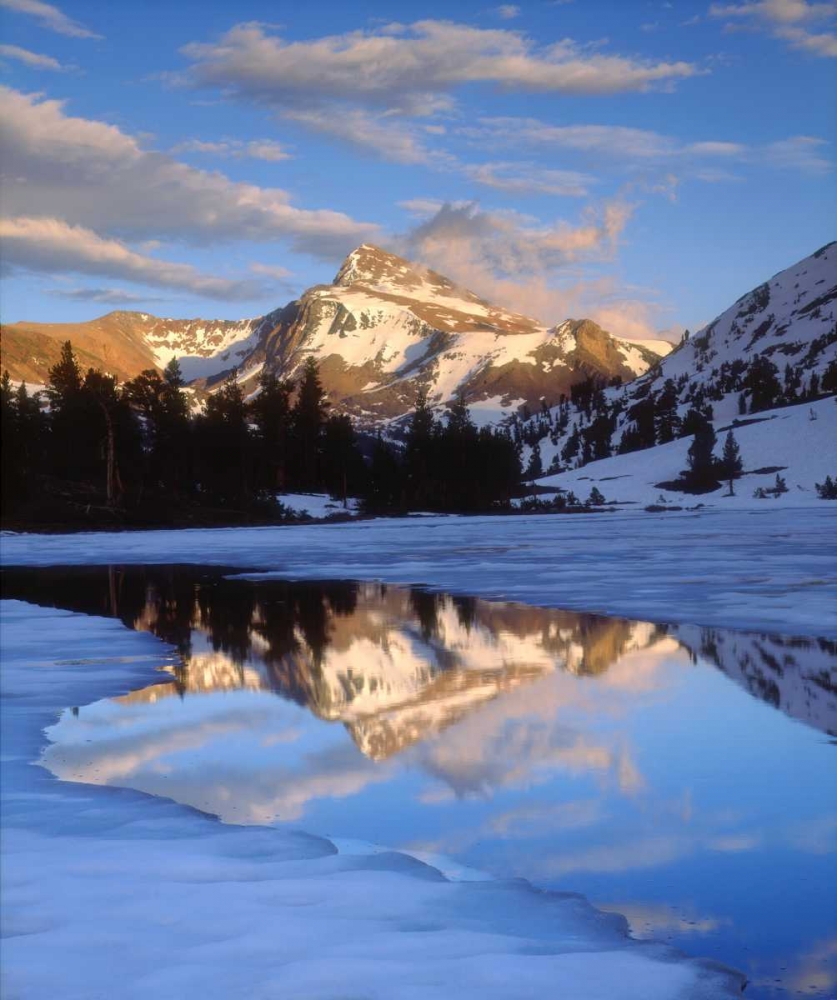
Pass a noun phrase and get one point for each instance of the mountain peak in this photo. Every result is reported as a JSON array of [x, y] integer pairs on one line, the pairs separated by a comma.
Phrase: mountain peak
[[372, 265]]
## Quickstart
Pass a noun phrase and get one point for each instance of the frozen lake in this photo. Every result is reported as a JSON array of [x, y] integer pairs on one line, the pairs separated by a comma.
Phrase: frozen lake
[[680, 775]]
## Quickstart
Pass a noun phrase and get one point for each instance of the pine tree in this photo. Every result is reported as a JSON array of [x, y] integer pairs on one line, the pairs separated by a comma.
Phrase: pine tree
[[31, 426], [224, 445], [731, 462], [9, 453], [100, 389], [309, 416], [173, 375], [701, 461], [596, 498], [459, 477], [271, 414], [175, 437], [341, 461], [383, 492], [827, 490], [421, 454], [64, 379], [762, 382], [6, 390], [666, 418], [534, 470], [164, 412], [792, 383], [72, 444]]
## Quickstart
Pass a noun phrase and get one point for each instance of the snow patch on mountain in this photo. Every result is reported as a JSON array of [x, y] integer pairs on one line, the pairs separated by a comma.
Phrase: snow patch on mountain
[[797, 442], [789, 322], [784, 319]]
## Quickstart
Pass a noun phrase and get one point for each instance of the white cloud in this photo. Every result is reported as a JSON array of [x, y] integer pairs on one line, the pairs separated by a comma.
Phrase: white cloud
[[540, 271], [32, 59], [512, 259], [372, 132], [374, 90], [528, 178], [801, 152], [266, 149], [274, 271], [601, 142], [630, 319], [257, 149], [508, 244], [423, 208], [606, 145], [400, 141], [786, 20], [822, 44], [94, 175], [409, 66], [108, 296], [507, 11], [49, 17], [775, 11], [203, 146], [52, 246]]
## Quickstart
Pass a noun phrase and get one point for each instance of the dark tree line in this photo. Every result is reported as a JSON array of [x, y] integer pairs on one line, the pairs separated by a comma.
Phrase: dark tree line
[[448, 465], [139, 449]]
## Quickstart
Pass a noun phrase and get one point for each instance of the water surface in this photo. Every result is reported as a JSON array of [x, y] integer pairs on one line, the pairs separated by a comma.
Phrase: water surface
[[682, 776]]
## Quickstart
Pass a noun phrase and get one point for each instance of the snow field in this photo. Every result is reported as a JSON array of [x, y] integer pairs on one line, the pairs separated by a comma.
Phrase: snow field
[[805, 451]]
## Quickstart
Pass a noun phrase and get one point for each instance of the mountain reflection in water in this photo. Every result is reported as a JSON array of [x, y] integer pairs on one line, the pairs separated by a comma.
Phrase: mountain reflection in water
[[583, 752], [397, 665]]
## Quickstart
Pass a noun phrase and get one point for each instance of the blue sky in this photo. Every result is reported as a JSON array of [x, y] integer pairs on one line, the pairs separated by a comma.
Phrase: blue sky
[[643, 163]]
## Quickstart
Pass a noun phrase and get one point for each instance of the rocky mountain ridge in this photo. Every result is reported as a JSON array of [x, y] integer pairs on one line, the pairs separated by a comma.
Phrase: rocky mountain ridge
[[774, 347], [383, 330]]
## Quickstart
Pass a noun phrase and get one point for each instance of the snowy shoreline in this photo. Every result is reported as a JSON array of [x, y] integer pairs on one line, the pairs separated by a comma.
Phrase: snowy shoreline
[[135, 896], [769, 569]]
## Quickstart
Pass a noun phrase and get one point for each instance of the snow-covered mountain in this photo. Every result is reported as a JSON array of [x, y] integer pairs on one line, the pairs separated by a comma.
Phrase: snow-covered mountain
[[386, 328], [126, 343], [790, 320], [772, 352], [381, 331]]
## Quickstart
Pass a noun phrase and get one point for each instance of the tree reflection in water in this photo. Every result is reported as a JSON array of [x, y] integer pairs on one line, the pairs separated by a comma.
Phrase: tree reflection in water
[[351, 651], [580, 751]]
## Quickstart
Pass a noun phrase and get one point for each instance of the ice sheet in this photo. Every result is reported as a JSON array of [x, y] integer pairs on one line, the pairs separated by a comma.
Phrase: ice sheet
[[769, 569]]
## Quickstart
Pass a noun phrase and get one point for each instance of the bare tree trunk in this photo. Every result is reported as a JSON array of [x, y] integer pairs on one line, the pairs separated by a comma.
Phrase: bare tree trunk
[[111, 475], [114, 607]]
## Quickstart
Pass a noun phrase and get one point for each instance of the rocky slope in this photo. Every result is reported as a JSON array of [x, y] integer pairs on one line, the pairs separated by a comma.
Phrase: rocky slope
[[126, 343], [384, 329], [789, 321]]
